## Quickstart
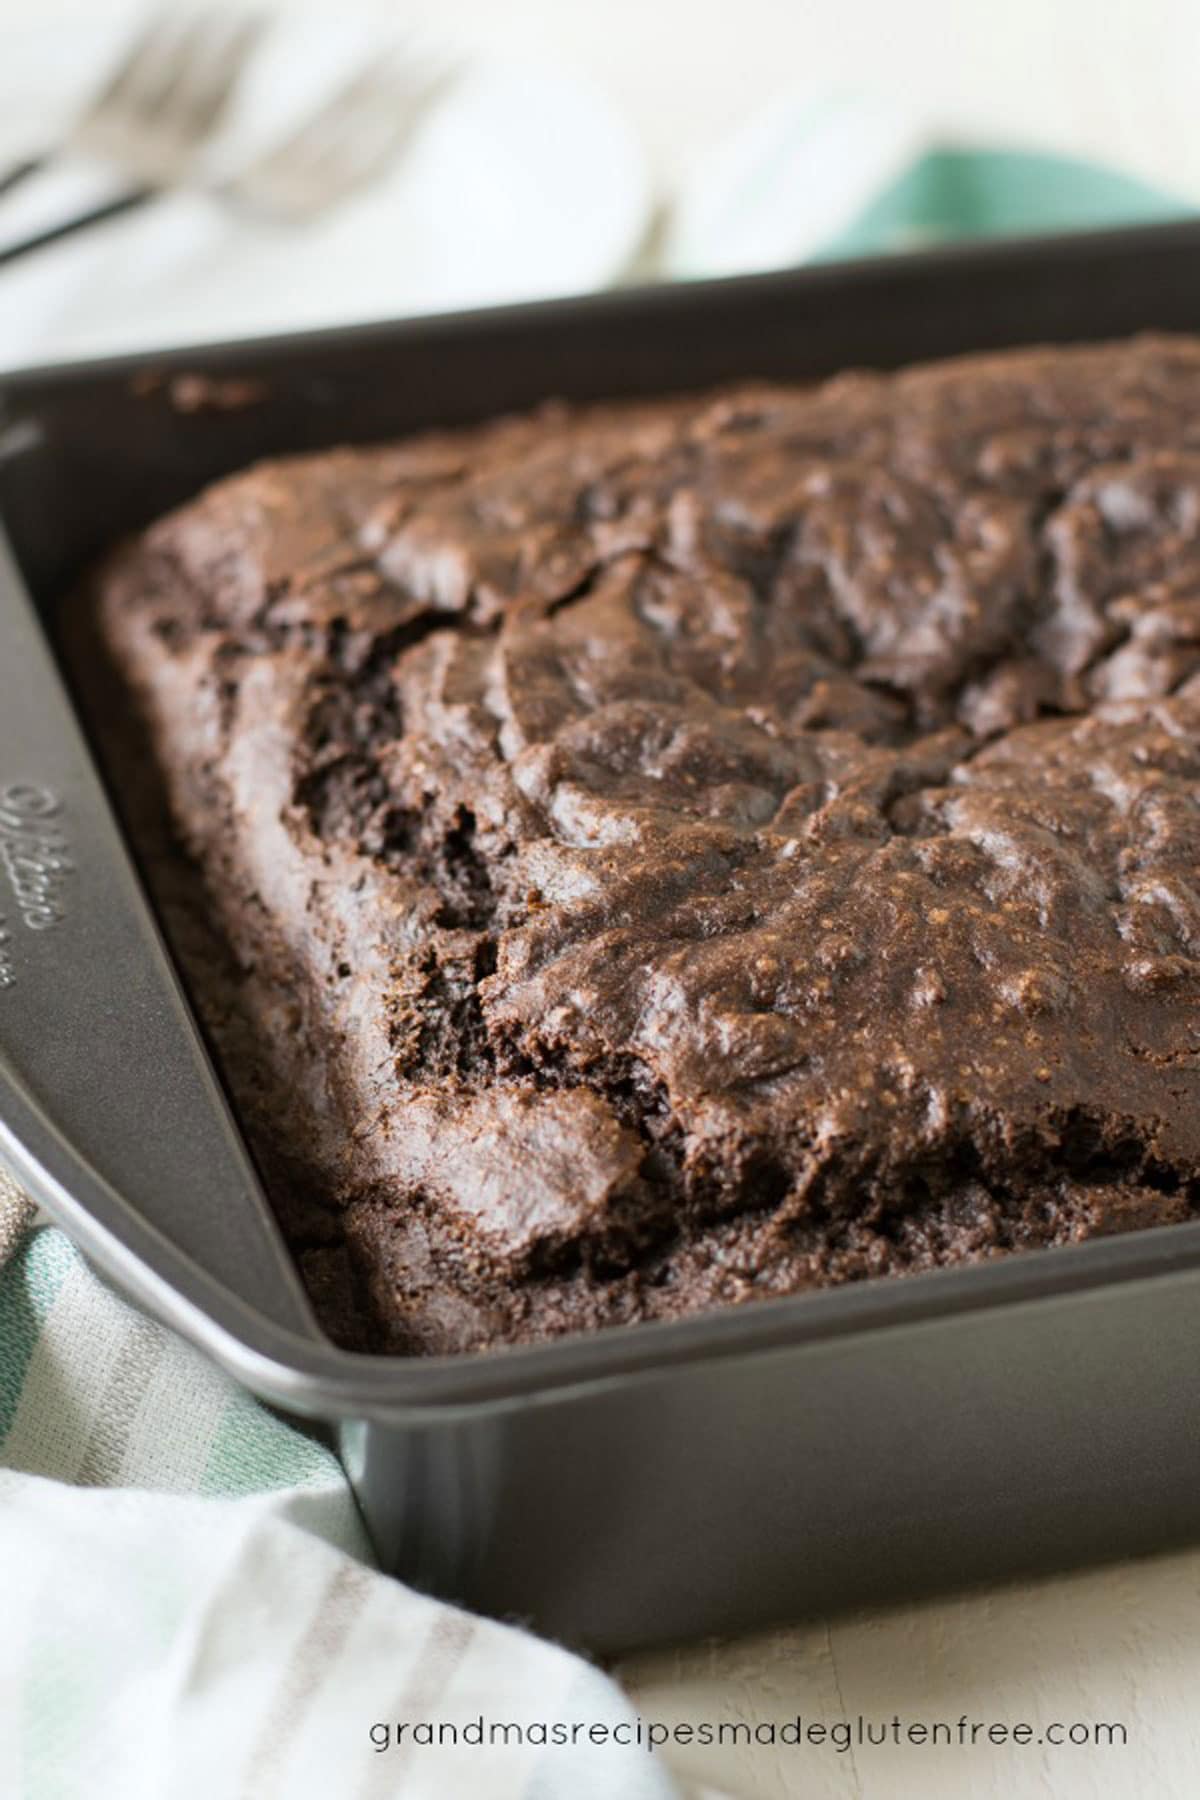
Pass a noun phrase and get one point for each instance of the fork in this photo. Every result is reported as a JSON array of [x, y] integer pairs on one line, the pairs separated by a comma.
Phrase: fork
[[349, 141], [162, 102]]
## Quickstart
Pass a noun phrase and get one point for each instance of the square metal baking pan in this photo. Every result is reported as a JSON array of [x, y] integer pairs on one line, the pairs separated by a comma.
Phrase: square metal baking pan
[[646, 1483]]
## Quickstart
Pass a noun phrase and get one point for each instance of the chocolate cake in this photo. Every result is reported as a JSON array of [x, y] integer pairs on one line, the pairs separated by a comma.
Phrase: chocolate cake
[[645, 858]]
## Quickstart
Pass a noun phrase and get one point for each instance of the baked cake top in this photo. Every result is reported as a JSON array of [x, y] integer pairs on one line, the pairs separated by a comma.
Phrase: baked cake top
[[702, 840]]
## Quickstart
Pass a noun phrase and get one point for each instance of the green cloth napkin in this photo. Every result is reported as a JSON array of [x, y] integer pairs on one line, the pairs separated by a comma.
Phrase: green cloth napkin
[[957, 193]]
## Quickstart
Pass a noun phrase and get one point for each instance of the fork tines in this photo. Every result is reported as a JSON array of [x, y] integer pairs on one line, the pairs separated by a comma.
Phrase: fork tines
[[349, 141], [168, 93]]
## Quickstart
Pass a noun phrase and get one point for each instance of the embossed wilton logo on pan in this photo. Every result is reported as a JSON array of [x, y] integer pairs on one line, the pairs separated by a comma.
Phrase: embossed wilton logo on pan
[[34, 853]]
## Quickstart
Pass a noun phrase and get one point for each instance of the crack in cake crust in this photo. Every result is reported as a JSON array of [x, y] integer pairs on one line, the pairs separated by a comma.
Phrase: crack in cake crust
[[684, 851]]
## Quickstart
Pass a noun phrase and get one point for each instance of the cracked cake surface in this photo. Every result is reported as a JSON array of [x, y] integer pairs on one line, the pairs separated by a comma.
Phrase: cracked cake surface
[[639, 858]]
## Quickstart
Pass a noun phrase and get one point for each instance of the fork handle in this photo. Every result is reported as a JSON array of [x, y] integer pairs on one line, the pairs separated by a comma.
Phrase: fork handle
[[21, 171], [92, 215]]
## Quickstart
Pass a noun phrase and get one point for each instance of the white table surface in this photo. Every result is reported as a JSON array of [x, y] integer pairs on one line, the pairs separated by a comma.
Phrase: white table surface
[[1120, 1644]]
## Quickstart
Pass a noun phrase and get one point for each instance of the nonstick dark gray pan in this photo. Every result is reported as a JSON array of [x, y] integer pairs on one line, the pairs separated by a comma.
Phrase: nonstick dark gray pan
[[645, 1483]]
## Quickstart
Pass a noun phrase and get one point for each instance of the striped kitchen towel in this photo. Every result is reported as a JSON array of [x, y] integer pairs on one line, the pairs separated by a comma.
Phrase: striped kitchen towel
[[187, 1602]]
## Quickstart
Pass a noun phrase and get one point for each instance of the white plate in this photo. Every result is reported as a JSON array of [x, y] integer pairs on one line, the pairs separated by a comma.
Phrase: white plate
[[521, 183]]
